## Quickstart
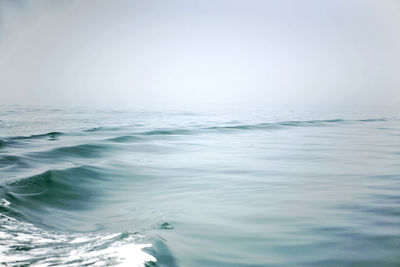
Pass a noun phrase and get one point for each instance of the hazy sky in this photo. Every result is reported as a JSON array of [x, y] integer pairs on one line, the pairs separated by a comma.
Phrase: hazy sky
[[226, 52]]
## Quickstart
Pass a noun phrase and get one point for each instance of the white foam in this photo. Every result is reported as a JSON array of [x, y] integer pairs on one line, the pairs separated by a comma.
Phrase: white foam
[[4, 202], [23, 243]]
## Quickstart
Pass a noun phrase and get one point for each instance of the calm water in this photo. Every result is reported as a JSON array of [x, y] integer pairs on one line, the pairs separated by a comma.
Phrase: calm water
[[272, 187]]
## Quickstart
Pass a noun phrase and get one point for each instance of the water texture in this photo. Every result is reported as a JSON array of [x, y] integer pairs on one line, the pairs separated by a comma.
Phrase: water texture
[[272, 187]]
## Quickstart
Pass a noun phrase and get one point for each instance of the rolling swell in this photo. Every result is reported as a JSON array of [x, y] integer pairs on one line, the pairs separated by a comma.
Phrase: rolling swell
[[102, 129], [83, 150], [10, 160], [67, 189], [24, 229], [74, 151], [257, 126], [51, 136], [176, 131], [167, 132], [285, 124], [124, 139]]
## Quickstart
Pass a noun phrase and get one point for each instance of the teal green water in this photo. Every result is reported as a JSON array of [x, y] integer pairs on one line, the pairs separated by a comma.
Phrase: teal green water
[[272, 187]]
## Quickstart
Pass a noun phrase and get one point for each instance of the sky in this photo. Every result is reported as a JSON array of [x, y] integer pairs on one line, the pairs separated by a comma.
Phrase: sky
[[127, 53]]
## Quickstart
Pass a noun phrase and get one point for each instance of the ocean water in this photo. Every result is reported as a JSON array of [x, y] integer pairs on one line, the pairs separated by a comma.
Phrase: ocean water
[[230, 187]]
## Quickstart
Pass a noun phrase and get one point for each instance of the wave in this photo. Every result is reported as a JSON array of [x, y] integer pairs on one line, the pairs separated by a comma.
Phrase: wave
[[280, 125], [12, 140], [373, 120], [26, 244], [27, 237], [124, 139], [50, 135], [67, 189], [167, 132], [272, 125], [102, 129], [257, 126], [82, 150], [10, 160], [98, 149], [176, 131], [21, 162]]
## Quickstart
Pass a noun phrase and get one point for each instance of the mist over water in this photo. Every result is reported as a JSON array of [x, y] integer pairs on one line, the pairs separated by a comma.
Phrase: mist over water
[[175, 54], [278, 186]]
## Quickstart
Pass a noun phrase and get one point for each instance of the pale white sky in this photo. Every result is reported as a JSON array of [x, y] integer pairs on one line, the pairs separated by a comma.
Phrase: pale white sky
[[177, 53]]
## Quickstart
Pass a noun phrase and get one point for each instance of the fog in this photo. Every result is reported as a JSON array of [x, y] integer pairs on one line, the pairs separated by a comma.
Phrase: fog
[[125, 53]]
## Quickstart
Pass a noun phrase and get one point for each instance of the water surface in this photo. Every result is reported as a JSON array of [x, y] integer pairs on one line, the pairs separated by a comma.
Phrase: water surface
[[271, 187]]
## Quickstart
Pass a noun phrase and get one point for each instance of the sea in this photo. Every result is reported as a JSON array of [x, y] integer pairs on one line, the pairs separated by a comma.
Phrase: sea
[[269, 186]]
